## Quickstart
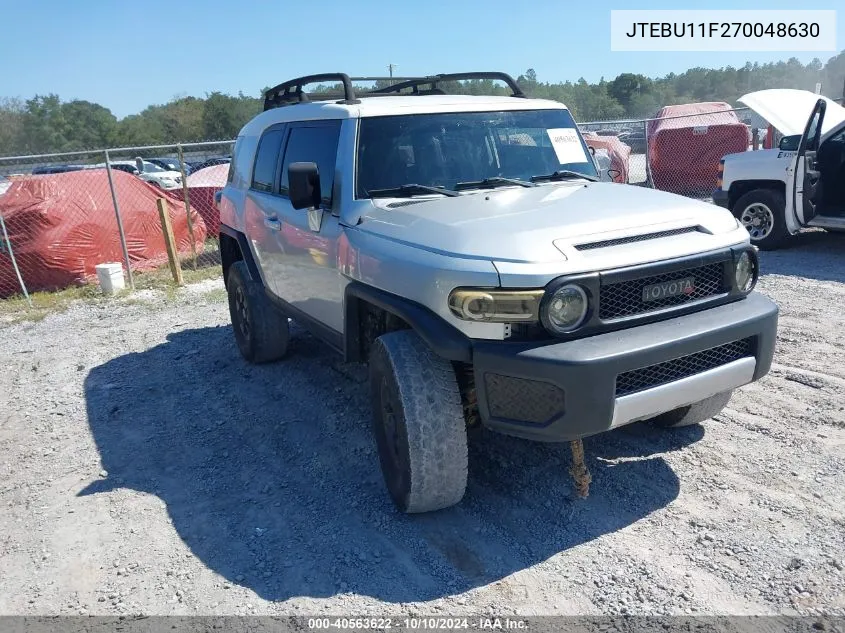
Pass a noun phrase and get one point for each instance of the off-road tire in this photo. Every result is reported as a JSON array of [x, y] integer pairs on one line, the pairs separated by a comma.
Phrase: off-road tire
[[418, 422], [261, 331], [774, 201], [695, 413]]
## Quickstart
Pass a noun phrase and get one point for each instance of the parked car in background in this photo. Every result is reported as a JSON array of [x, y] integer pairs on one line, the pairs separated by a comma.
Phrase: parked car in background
[[150, 172], [215, 160], [635, 139], [56, 169], [5, 183], [170, 164]]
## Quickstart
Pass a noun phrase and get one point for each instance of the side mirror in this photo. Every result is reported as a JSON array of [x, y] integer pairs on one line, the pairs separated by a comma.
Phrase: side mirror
[[614, 174], [790, 143], [304, 185]]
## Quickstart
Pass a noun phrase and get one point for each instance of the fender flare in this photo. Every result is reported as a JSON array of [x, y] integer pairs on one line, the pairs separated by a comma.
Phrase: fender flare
[[444, 339], [246, 251]]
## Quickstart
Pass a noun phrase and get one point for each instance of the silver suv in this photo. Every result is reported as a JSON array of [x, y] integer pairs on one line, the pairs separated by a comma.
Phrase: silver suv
[[463, 248]]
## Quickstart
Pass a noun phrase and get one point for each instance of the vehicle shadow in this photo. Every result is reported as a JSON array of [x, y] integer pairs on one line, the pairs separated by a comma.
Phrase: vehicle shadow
[[812, 254], [270, 476]]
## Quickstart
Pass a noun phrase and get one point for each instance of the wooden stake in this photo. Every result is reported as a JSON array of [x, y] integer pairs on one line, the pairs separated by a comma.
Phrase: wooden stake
[[169, 241]]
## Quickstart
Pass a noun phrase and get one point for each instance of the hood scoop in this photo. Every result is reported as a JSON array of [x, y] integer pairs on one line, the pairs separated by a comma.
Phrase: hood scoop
[[588, 246], [403, 203]]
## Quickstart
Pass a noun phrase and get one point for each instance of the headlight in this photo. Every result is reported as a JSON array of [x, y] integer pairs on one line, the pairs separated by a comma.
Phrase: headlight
[[565, 309], [746, 271], [495, 306]]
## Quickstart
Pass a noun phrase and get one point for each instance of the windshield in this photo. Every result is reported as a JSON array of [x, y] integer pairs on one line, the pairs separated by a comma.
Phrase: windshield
[[442, 150], [152, 168]]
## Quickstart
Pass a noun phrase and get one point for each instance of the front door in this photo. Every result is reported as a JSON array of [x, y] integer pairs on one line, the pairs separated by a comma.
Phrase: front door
[[805, 176], [307, 276]]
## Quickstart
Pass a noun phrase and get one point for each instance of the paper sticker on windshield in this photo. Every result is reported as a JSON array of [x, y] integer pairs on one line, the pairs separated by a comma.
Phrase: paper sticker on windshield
[[567, 145]]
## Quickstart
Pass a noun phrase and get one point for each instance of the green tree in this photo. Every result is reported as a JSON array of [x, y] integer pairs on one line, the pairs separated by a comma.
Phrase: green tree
[[44, 125], [627, 86], [88, 125], [12, 114]]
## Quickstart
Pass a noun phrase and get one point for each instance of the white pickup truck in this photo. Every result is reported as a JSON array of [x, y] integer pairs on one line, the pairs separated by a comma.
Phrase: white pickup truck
[[776, 192]]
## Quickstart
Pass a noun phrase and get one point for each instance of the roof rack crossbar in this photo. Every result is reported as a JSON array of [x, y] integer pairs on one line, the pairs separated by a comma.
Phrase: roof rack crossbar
[[291, 91], [433, 80]]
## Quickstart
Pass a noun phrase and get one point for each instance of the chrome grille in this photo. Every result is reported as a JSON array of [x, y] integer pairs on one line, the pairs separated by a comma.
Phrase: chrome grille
[[677, 368], [625, 298]]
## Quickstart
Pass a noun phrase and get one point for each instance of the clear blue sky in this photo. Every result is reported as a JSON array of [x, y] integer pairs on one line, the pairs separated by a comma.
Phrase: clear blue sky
[[127, 55]]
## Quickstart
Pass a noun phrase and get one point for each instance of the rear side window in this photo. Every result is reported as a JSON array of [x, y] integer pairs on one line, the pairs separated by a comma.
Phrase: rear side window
[[231, 175], [316, 144], [266, 159]]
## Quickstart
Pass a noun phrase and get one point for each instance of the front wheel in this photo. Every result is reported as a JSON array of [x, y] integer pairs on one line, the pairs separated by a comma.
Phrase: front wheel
[[695, 413], [418, 423], [763, 213]]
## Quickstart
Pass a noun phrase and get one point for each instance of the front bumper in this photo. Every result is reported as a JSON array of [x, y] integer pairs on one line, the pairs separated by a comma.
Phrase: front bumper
[[573, 389], [720, 197]]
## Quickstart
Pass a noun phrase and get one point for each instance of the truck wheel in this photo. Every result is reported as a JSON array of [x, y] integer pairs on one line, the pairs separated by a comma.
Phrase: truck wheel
[[762, 212], [694, 413], [418, 423], [261, 331]]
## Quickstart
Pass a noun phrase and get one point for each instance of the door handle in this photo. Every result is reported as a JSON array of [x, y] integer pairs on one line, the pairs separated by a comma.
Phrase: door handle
[[273, 223]]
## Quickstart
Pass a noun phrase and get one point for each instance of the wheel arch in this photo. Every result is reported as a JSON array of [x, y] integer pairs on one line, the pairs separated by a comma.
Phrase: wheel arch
[[235, 247], [742, 187], [391, 312]]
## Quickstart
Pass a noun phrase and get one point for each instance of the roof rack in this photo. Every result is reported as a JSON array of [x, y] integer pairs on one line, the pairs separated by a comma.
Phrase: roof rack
[[290, 92], [433, 80]]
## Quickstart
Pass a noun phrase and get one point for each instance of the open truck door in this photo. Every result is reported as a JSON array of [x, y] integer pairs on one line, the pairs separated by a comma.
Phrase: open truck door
[[804, 178]]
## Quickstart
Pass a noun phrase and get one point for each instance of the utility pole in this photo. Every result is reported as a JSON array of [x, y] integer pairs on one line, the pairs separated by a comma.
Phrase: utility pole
[[390, 68]]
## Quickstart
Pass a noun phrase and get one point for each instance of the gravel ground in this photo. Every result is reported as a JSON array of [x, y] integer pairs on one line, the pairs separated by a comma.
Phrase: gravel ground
[[147, 469]]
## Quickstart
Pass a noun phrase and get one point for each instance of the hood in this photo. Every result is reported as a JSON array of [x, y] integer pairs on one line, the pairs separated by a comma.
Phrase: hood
[[543, 224], [158, 175], [788, 110]]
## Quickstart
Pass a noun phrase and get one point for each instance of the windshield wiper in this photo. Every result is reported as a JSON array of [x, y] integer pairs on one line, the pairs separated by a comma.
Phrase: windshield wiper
[[409, 190], [563, 174], [493, 181]]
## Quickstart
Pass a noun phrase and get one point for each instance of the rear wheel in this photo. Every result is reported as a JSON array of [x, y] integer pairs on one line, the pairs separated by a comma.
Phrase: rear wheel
[[763, 213], [261, 331], [418, 422], [694, 413]]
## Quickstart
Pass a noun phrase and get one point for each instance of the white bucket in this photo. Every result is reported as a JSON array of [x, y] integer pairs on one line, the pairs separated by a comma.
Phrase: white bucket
[[110, 277]]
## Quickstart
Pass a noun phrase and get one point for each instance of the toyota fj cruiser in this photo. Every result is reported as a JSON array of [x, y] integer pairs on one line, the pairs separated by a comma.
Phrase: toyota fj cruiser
[[775, 192], [463, 248]]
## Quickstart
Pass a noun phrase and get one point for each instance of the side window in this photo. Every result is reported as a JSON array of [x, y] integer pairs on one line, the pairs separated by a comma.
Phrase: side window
[[231, 175], [313, 145], [266, 159]]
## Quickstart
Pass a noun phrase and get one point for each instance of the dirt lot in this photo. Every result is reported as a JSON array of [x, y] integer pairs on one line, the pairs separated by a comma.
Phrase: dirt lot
[[146, 469]]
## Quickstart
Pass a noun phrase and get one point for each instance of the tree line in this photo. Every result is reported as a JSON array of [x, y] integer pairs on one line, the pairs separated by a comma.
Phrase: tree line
[[46, 124]]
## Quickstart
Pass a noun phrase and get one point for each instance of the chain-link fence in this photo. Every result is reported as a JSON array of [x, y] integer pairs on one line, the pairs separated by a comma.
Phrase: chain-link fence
[[679, 149], [63, 215]]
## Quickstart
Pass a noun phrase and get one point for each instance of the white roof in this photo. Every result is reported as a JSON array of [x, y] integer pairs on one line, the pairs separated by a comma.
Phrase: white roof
[[789, 110], [393, 106]]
